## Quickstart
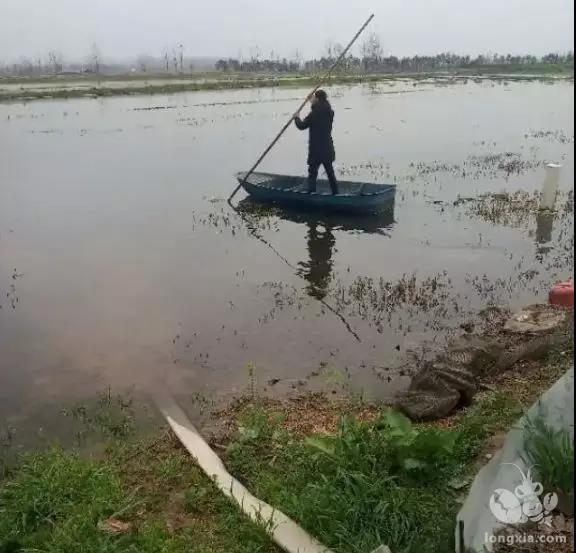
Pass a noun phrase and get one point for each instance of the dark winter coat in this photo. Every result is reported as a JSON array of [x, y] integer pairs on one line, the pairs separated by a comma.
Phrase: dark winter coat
[[319, 122]]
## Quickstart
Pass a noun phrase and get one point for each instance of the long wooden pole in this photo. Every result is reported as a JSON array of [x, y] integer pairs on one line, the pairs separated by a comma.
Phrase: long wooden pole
[[322, 81]]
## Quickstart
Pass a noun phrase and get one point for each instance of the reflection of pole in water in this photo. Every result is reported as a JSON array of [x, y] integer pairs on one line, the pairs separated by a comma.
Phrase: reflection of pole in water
[[253, 230], [318, 269], [544, 227], [545, 217]]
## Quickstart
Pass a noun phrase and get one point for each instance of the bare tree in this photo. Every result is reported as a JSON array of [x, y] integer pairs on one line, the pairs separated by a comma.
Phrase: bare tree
[[329, 49], [52, 60], [181, 58], [95, 58], [372, 52], [175, 62], [166, 62], [338, 49], [298, 58], [144, 61], [55, 61], [255, 54]]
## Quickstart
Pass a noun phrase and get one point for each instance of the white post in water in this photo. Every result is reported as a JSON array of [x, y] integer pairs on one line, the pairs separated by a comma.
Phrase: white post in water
[[550, 186]]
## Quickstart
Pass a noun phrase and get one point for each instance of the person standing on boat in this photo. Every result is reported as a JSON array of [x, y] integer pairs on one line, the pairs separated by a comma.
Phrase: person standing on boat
[[320, 145]]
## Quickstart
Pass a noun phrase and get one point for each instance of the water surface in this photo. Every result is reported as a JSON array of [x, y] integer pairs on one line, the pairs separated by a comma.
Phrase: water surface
[[120, 265]]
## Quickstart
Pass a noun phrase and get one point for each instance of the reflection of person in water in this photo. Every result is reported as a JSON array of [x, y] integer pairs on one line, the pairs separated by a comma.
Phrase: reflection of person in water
[[317, 270]]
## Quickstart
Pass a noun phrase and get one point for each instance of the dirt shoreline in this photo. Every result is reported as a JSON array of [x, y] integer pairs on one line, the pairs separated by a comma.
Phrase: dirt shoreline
[[59, 88]]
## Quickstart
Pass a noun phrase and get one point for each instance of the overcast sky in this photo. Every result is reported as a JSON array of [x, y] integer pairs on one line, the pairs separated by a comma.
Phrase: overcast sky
[[127, 28]]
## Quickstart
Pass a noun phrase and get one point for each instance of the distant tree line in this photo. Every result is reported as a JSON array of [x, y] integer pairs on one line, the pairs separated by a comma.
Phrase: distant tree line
[[390, 64], [171, 61], [54, 64], [253, 66], [369, 59]]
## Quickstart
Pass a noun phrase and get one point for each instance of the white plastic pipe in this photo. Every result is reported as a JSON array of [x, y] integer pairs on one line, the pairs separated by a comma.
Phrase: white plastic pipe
[[283, 530], [550, 186]]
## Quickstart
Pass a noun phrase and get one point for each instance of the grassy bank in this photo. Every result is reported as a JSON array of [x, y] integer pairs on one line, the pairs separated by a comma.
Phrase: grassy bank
[[145, 498], [384, 479], [354, 475], [82, 86]]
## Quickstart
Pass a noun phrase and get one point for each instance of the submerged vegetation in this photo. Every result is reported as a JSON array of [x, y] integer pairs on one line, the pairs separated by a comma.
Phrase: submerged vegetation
[[496, 165]]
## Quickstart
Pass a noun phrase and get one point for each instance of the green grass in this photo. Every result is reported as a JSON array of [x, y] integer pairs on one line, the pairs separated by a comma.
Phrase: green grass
[[386, 481], [491, 414], [53, 501], [551, 452]]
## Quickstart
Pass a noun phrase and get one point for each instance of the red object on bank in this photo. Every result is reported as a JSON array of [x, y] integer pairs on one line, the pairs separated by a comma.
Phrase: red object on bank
[[562, 294]]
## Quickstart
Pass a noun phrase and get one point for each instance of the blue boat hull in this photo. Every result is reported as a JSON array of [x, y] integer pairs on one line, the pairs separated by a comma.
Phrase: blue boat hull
[[292, 191]]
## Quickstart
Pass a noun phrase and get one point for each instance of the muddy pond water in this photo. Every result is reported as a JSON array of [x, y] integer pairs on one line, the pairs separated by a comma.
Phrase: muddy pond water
[[122, 266]]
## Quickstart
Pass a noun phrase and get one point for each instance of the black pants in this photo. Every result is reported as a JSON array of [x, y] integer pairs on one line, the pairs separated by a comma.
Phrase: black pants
[[313, 175]]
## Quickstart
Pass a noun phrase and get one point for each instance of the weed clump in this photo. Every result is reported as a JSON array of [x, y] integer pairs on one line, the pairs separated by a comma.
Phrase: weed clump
[[374, 482], [551, 452]]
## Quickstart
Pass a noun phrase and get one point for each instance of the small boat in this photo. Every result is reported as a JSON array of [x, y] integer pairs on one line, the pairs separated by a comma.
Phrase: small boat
[[289, 190]]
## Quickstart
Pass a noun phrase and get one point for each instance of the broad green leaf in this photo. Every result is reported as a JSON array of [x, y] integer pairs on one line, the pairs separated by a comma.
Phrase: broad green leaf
[[398, 428], [322, 443], [414, 464]]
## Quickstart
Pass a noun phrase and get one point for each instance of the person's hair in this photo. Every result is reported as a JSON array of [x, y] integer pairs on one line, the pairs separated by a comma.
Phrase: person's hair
[[321, 95]]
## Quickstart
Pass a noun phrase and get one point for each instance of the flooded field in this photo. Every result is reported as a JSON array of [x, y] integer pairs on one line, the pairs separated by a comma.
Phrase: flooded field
[[122, 266], [80, 83]]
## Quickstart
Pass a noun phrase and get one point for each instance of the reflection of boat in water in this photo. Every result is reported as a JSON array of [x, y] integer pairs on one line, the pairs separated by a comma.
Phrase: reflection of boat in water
[[369, 223], [293, 191], [317, 269]]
